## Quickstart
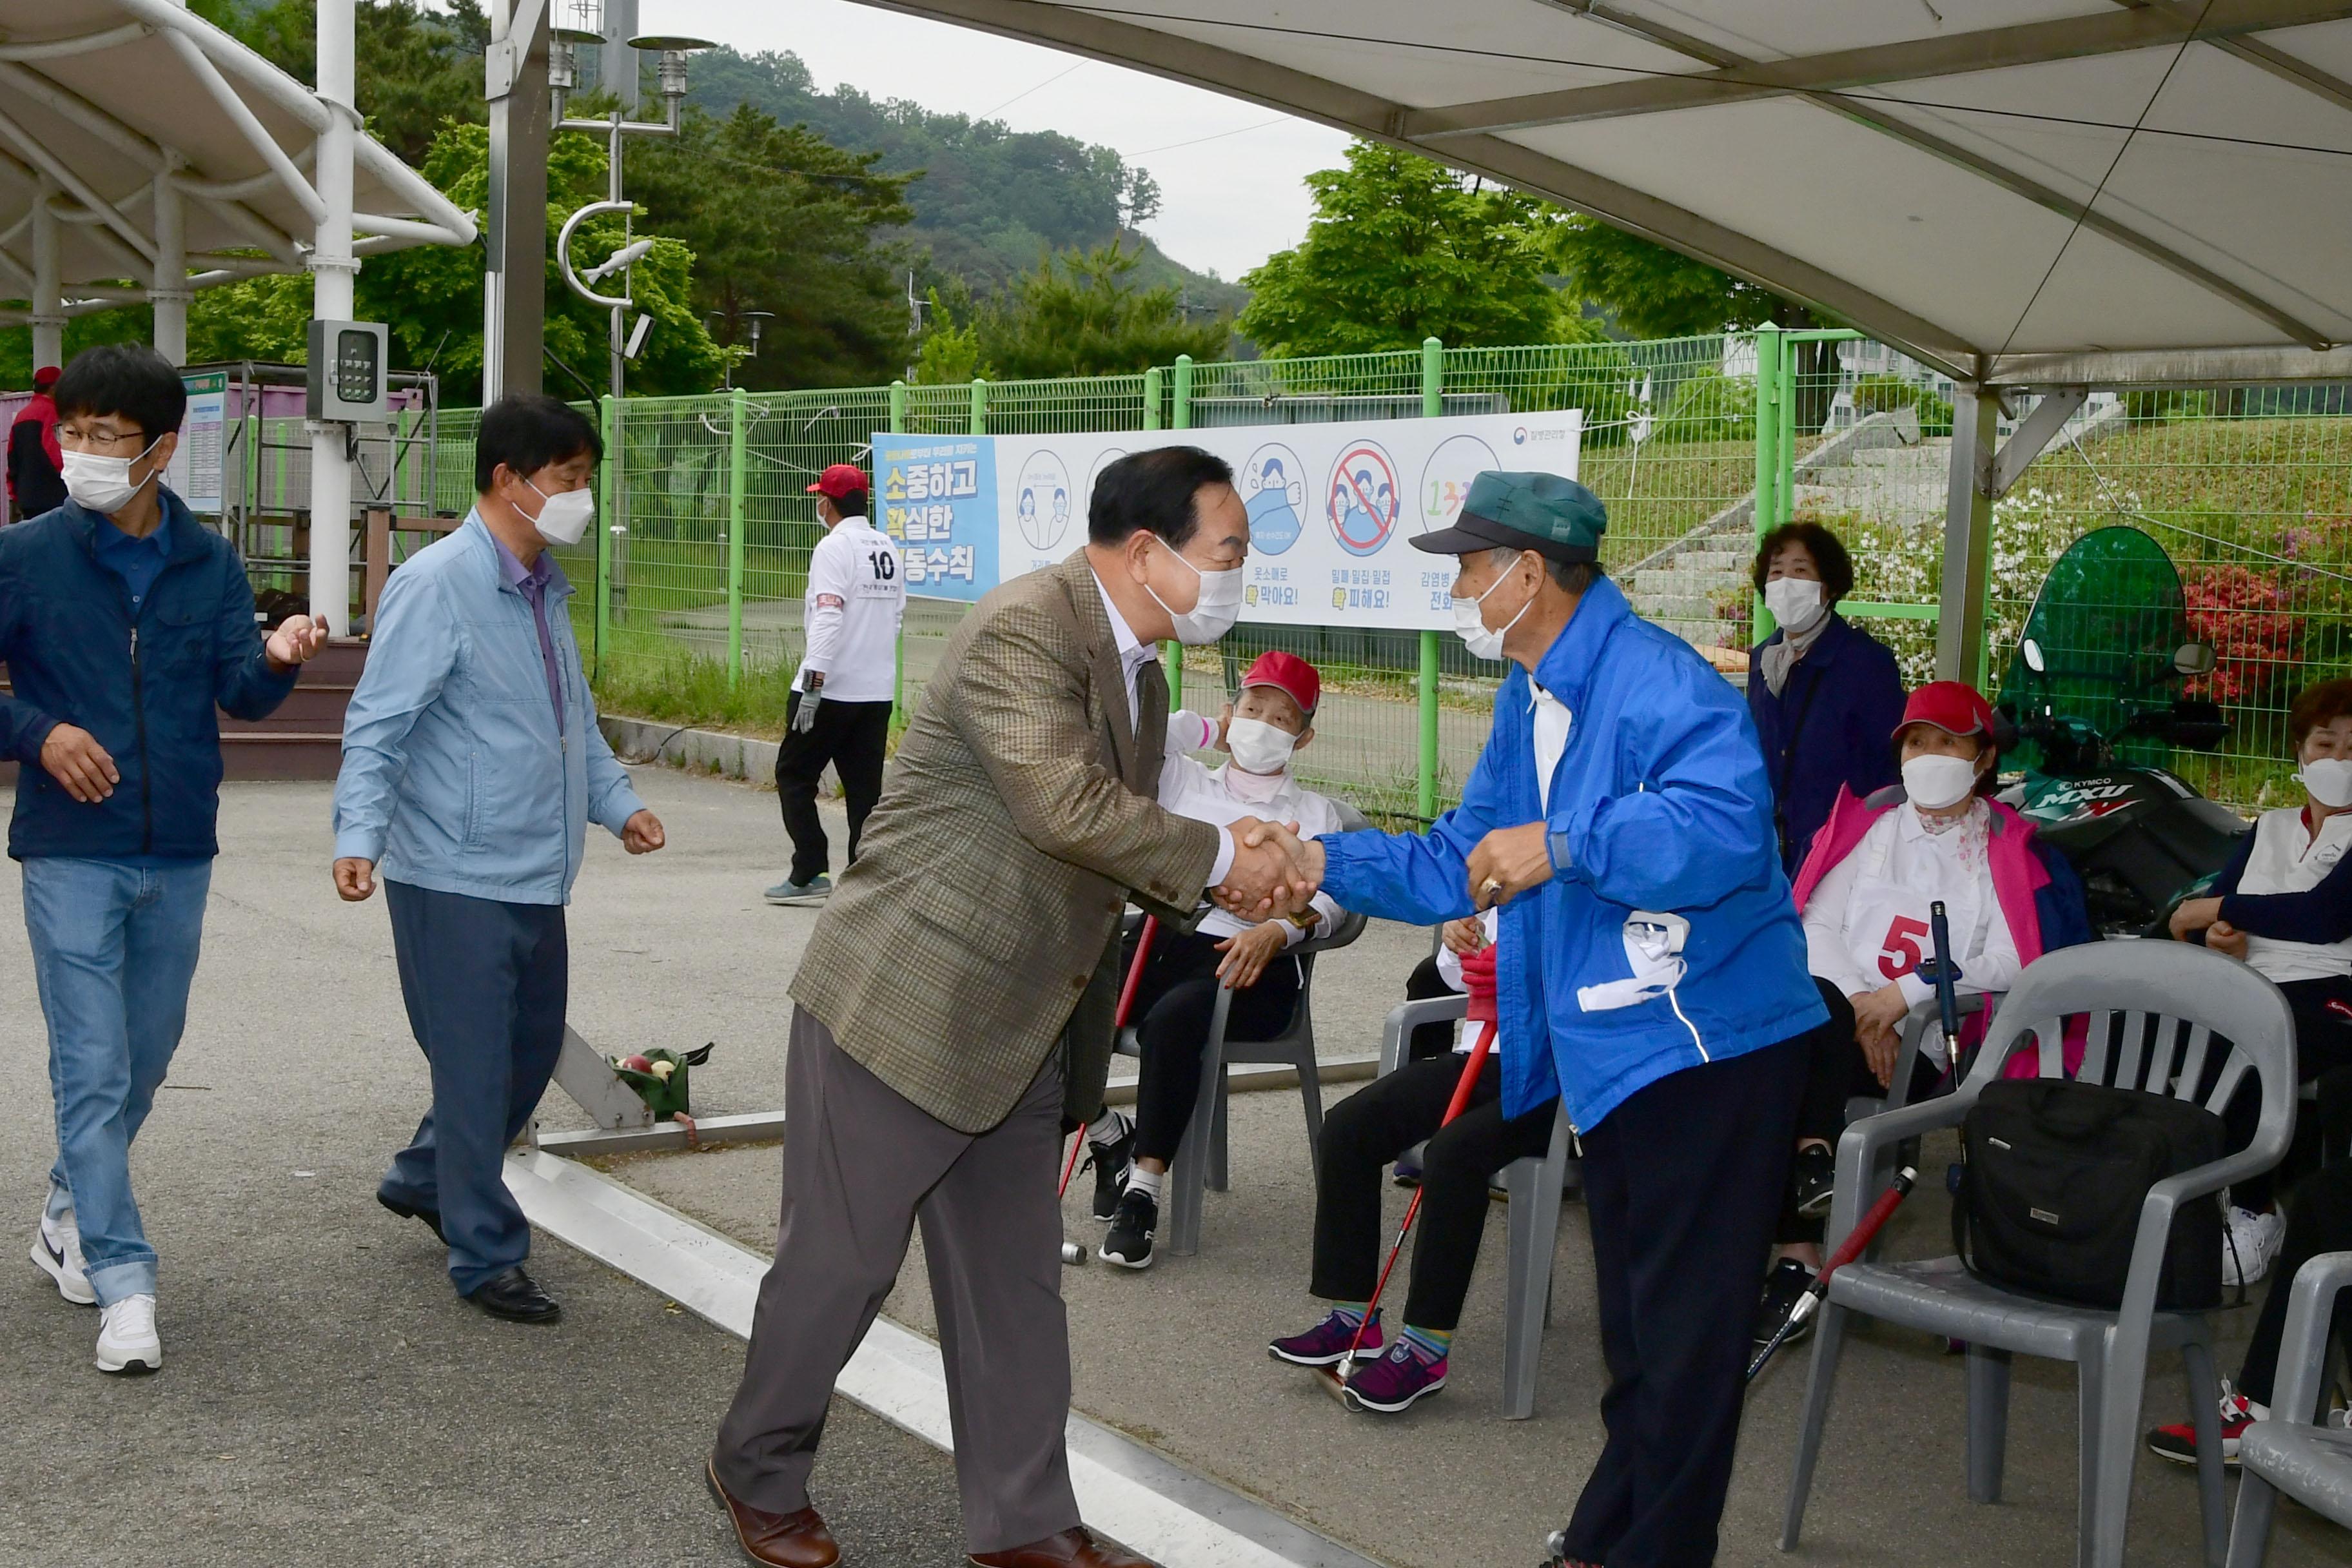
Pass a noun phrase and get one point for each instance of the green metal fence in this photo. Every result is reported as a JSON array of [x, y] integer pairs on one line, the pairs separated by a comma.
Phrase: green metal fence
[[705, 524]]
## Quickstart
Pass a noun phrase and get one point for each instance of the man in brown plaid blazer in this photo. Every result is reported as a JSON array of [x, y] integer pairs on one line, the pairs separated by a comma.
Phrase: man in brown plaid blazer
[[953, 1009]]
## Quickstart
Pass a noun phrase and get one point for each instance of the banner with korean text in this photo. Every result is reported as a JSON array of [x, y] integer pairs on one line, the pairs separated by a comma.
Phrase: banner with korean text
[[1333, 508]]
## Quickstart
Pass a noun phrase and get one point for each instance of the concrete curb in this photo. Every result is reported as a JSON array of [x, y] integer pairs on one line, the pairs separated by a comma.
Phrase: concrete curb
[[700, 751]]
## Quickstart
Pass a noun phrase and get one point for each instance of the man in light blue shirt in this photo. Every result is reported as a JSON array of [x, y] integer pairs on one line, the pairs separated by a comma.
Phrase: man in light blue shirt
[[472, 765]]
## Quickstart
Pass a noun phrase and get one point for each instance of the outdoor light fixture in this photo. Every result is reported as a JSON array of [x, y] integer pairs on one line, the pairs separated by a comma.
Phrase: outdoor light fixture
[[673, 45], [755, 318]]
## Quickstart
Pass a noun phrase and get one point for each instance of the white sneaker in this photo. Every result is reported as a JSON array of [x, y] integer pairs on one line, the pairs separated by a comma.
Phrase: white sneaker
[[2251, 1246], [126, 1336], [56, 1252]]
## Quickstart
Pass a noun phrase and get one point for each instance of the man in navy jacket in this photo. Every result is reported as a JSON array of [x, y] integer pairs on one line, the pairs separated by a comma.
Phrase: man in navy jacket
[[123, 622], [1620, 814]]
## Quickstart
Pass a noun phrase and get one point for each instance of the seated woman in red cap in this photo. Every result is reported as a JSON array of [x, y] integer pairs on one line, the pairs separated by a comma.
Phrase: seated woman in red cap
[[1269, 721], [1864, 891]]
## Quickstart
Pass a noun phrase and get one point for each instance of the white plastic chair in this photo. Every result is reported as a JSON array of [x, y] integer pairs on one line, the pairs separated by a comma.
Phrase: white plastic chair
[[2287, 1453]]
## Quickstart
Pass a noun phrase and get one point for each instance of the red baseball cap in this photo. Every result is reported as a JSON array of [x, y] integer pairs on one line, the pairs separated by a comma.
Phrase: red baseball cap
[[1287, 673], [45, 378], [839, 481], [1951, 706]]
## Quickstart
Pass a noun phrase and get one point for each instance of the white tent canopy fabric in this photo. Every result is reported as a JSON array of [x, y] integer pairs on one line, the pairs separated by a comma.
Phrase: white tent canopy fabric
[[141, 149], [2020, 192]]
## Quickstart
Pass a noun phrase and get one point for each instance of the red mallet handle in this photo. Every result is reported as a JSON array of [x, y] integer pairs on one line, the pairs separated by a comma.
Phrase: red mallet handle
[[1864, 1233]]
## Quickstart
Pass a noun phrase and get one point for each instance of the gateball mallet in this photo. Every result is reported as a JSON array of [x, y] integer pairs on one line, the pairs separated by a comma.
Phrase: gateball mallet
[[1074, 1254]]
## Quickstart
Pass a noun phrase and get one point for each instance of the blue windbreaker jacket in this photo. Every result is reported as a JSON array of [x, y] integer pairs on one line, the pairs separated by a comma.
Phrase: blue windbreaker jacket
[[145, 686], [1659, 804]]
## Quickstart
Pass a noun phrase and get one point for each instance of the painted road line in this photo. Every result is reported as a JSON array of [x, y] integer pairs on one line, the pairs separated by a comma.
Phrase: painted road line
[[1135, 1494]]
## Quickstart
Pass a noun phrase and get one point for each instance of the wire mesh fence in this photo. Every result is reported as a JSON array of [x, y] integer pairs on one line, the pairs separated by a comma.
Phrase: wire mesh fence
[[2251, 491]]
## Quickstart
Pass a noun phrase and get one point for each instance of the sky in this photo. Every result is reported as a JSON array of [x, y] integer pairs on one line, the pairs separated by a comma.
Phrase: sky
[[1231, 172]]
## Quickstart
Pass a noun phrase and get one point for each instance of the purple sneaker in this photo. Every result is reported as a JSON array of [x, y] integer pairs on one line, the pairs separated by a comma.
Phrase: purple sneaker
[[1393, 1382], [1326, 1344]]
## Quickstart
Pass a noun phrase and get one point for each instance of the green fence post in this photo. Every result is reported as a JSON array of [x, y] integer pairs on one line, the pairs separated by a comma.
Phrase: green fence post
[[1183, 420], [738, 465], [1151, 399], [898, 678], [604, 525], [1768, 453], [1784, 472], [979, 405], [1433, 404]]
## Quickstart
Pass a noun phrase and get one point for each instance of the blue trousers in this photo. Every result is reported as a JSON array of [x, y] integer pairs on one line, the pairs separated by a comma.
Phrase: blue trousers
[[114, 948], [484, 984]]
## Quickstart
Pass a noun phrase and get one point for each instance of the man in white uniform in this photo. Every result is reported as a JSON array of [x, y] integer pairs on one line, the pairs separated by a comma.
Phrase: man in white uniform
[[839, 709]]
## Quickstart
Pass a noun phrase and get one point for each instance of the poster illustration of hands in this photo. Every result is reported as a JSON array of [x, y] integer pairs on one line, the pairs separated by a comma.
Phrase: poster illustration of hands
[[1332, 508]]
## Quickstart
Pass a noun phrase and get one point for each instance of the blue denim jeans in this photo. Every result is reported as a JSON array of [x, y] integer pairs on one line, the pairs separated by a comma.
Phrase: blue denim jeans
[[114, 948]]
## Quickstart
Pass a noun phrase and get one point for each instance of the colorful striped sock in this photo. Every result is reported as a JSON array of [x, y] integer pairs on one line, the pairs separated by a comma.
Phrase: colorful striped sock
[[1432, 1343], [1349, 1312]]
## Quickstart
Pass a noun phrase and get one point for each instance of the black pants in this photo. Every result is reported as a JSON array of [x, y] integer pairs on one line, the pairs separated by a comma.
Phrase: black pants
[[2323, 1042], [1172, 1005], [2318, 1219], [1839, 1072], [1372, 1127], [1428, 1039], [1681, 1184], [853, 737]]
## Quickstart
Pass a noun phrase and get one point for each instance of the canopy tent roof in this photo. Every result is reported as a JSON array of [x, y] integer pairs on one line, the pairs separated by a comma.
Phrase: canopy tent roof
[[99, 99], [2020, 192]]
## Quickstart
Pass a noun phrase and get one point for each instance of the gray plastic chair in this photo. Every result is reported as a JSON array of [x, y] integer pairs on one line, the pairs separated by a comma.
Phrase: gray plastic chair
[[1192, 1170], [2174, 1003], [1532, 1222], [2311, 1464]]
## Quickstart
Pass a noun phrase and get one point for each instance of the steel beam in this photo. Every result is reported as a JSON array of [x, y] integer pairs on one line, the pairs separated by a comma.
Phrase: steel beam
[[2172, 367], [2032, 437], [513, 287], [1967, 535]]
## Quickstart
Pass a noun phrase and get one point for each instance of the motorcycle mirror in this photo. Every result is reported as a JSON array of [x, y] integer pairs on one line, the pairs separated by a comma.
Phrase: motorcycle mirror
[[2194, 659], [2031, 653]]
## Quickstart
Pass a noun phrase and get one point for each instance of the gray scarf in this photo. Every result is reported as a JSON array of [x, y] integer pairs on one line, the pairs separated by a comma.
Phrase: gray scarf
[[1782, 657]]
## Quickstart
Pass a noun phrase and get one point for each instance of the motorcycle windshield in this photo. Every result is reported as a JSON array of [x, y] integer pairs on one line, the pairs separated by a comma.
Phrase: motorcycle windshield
[[2106, 624]]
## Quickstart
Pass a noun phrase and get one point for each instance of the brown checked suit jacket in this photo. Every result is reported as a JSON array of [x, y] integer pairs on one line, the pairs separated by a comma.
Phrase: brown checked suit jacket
[[982, 912]]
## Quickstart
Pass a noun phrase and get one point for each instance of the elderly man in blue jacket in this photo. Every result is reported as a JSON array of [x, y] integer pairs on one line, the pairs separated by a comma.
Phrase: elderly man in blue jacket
[[1620, 814], [127, 626], [472, 765]]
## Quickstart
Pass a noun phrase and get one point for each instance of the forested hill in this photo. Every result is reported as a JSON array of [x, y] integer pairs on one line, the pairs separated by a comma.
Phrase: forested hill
[[991, 201]]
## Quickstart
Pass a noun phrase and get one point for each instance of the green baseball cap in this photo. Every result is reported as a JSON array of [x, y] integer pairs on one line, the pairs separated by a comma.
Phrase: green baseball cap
[[1543, 512]]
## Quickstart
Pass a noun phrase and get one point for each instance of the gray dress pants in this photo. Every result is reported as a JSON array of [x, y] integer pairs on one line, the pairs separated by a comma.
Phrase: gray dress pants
[[862, 1164]]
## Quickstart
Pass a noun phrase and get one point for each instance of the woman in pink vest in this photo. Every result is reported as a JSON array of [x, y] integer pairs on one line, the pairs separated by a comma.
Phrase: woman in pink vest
[[1865, 889]]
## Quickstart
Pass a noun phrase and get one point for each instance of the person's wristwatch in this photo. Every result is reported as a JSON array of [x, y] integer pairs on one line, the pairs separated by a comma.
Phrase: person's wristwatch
[[1307, 920]]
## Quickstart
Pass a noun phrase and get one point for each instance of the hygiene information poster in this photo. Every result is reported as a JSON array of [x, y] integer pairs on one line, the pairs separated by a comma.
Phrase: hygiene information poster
[[195, 473], [1333, 508]]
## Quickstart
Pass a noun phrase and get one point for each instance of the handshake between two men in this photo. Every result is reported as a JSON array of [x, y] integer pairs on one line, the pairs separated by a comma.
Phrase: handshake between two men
[[1276, 872]]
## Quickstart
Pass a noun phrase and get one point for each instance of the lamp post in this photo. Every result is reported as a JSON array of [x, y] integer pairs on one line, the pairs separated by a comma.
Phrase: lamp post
[[754, 318]]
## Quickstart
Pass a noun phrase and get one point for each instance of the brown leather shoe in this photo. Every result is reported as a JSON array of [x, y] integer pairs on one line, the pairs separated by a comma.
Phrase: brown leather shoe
[[780, 1540], [1074, 1548]]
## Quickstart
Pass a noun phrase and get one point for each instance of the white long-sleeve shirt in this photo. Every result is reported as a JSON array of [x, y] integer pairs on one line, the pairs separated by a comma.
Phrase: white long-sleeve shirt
[[1190, 788], [1859, 922], [855, 602]]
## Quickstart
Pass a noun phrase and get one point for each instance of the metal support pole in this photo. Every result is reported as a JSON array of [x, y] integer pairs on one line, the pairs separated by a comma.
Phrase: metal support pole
[[739, 474], [168, 292], [1433, 404], [612, 477], [514, 233], [1183, 420], [1784, 471], [898, 678], [1967, 536], [48, 307], [333, 269], [1768, 453], [979, 406], [1151, 399], [617, 71]]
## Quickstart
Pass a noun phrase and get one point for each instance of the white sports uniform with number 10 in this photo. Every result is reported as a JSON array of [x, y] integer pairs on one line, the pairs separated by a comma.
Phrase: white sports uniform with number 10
[[855, 600]]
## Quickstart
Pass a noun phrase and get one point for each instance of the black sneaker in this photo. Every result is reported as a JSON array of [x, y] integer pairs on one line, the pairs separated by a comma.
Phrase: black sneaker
[[1815, 1178], [1110, 1163], [1788, 1280], [1128, 1245]]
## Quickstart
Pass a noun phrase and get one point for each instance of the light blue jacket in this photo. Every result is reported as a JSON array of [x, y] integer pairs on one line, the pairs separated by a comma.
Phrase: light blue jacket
[[455, 777], [1659, 804]]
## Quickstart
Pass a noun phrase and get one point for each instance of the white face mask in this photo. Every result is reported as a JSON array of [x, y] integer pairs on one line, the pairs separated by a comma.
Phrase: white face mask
[[103, 484], [2329, 780], [1259, 747], [565, 516], [1470, 623], [1795, 602], [1213, 615], [1937, 783]]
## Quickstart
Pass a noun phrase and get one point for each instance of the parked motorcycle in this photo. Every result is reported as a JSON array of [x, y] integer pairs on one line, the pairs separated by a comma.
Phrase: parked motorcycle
[[2093, 695]]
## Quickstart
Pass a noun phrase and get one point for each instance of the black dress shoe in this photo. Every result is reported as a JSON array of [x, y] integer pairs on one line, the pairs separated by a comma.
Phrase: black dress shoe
[[432, 1217], [516, 1297]]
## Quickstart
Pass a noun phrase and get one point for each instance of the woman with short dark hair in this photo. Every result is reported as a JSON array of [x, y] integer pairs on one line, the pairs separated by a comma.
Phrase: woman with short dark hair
[[1824, 694]]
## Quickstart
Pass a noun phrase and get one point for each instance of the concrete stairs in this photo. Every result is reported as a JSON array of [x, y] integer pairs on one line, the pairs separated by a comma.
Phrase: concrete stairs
[[1686, 592]]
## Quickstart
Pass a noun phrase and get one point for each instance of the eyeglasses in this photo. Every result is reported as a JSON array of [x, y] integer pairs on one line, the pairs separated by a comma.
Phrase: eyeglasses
[[100, 437]]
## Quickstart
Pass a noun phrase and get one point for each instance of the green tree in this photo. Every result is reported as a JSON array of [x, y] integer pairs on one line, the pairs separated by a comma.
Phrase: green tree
[[417, 70], [780, 220], [1078, 313], [1402, 250]]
